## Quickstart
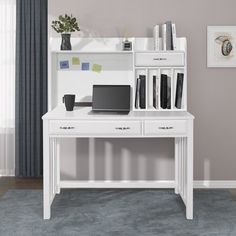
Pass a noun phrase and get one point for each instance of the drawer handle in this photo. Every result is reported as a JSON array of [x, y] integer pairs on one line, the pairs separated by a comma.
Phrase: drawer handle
[[67, 127], [166, 127], [122, 128], [160, 59]]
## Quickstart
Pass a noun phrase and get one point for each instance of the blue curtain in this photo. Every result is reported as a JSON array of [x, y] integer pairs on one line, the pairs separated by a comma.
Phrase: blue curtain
[[31, 85]]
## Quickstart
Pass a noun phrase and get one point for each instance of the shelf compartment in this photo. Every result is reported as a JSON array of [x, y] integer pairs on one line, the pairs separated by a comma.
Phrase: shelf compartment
[[107, 61], [171, 83], [92, 52]]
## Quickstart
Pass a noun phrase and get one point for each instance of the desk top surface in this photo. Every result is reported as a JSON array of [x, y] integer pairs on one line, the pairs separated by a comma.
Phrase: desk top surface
[[85, 113]]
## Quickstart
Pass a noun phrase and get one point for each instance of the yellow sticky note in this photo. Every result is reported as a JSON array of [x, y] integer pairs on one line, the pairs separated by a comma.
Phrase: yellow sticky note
[[75, 61], [96, 68]]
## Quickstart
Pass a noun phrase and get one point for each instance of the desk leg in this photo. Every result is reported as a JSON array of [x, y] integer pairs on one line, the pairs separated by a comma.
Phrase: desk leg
[[58, 189], [189, 170], [176, 165], [46, 172]]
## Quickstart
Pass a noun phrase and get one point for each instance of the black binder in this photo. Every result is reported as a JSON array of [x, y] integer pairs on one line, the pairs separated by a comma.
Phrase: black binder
[[137, 94], [179, 90], [168, 92], [154, 82], [164, 91], [142, 91]]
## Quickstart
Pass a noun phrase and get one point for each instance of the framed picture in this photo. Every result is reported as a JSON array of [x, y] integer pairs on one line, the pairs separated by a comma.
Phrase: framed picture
[[221, 46]]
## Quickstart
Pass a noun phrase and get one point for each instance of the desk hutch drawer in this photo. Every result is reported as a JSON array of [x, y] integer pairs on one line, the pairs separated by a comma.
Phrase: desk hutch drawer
[[154, 127], [96, 128], [159, 59]]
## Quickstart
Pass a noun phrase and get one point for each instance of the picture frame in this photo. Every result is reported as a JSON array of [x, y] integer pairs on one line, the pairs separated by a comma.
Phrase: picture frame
[[221, 46]]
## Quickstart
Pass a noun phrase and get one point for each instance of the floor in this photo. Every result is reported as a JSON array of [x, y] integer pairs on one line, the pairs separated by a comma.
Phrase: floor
[[107, 212], [113, 212], [7, 183]]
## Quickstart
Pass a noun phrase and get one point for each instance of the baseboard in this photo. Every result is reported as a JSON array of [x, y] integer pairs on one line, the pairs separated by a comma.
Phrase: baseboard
[[147, 184], [7, 173], [117, 184], [214, 184], [197, 184]]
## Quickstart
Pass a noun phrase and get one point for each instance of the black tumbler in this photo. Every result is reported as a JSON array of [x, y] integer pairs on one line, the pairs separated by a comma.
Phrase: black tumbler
[[69, 101]]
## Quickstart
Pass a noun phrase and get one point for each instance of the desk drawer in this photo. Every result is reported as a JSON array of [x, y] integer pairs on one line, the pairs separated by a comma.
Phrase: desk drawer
[[163, 127], [159, 59], [96, 128]]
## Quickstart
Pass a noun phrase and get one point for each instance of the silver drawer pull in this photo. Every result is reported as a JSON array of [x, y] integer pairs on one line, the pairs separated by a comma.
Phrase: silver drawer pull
[[166, 127], [160, 59], [122, 128], [67, 127]]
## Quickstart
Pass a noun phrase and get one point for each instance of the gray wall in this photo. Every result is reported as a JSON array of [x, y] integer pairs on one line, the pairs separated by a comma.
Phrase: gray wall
[[211, 92]]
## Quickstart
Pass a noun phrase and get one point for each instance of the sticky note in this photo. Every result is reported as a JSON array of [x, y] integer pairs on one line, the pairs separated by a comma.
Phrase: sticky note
[[97, 68], [64, 64], [75, 61], [85, 65]]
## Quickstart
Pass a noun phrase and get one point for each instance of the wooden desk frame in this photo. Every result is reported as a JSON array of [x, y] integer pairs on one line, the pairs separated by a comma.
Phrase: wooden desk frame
[[183, 156]]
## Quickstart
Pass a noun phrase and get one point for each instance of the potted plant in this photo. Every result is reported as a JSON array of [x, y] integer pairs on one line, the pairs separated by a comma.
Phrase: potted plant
[[65, 25]]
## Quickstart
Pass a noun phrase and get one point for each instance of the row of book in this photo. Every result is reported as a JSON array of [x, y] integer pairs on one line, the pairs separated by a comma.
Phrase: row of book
[[168, 35], [164, 90]]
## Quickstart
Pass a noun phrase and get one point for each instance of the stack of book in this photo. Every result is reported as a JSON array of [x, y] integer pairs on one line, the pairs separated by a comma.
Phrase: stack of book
[[165, 91], [168, 34]]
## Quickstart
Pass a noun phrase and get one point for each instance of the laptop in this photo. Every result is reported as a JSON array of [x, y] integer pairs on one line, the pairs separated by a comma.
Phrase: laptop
[[111, 98]]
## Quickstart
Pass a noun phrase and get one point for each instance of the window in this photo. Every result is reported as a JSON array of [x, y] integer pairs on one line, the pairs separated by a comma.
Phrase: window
[[7, 85]]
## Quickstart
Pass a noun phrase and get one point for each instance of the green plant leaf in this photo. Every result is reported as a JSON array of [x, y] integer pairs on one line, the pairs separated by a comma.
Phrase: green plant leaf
[[65, 24]]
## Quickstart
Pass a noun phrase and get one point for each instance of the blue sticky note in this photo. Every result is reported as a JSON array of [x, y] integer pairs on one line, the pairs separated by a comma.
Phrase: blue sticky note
[[64, 64], [85, 65]]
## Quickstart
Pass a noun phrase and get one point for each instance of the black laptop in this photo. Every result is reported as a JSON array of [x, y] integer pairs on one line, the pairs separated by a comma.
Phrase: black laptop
[[111, 98]]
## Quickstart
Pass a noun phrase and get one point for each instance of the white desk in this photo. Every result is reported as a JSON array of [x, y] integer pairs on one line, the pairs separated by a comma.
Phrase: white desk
[[139, 124]]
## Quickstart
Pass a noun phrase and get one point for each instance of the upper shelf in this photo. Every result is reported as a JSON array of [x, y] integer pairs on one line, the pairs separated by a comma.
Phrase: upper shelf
[[113, 52], [110, 45], [91, 52]]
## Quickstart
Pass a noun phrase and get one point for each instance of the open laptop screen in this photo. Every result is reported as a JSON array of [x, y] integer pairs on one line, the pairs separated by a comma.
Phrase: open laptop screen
[[111, 98]]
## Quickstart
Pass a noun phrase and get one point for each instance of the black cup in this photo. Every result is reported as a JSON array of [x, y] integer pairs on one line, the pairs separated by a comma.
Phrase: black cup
[[69, 101]]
